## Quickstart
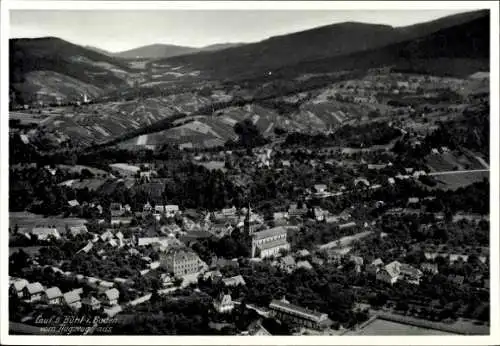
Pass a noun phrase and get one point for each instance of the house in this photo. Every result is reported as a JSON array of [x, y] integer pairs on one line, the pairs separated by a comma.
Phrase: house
[[304, 265], [319, 214], [256, 329], [80, 229], [430, 268], [320, 188], [376, 167], [410, 274], [335, 255], [110, 297], [269, 242], [303, 253], [413, 200], [284, 311], [17, 286], [127, 208], [223, 262], [53, 296], [280, 216], [45, 233], [72, 299], [234, 281], [147, 208], [389, 273], [107, 236], [295, 211], [220, 229], [120, 220], [116, 209], [166, 280], [212, 275], [375, 266], [154, 265], [73, 203], [104, 285], [90, 303], [223, 303], [171, 210], [358, 262], [456, 279], [33, 292], [317, 261], [288, 264], [229, 211]]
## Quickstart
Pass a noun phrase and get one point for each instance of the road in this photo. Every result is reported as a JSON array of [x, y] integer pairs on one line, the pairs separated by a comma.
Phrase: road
[[458, 172]]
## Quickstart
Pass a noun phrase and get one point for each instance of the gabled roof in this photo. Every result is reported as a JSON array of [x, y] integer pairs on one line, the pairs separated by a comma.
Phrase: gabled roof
[[20, 284], [74, 230], [377, 262], [112, 294], [34, 287], [270, 232], [393, 268], [234, 281], [73, 203], [297, 310], [288, 260], [71, 297], [53, 292], [304, 264]]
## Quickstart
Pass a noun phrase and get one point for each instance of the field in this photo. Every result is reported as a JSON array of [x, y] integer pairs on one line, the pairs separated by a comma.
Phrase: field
[[384, 327], [449, 161], [455, 181], [27, 221]]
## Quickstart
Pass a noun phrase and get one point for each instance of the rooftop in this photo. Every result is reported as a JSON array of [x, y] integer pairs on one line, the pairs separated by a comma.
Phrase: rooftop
[[297, 310], [270, 232]]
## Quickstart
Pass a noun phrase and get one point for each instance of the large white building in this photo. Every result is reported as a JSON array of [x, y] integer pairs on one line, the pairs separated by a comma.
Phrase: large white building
[[269, 242]]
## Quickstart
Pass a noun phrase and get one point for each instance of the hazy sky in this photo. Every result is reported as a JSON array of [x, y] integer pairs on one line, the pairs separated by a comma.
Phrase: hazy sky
[[120, 30]]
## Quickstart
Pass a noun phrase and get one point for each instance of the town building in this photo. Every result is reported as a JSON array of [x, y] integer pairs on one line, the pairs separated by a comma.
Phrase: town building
[[45, 233], [234, 281], [17, 286], [120, 220], [269, 242], [110, 297], [430, 268], [90, 303], [72, 299], [223, 303], [284, 311], [52, 295], [395, 271], [375, 266], [389, 273], [33, 292], [295, 211], [180, 261], [304, 265], [287, 264], [79, 229]]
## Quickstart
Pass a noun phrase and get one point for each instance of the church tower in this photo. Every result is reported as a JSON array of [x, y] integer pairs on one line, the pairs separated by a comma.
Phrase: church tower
[[247, 220]]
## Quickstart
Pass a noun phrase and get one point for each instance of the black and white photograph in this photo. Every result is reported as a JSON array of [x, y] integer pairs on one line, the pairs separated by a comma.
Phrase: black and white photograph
[[238, 173]]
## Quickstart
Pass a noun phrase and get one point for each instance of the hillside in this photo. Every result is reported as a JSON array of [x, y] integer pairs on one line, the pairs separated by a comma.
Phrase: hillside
[[456, 51], [155, 51], [341, 41], [53, 55]]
